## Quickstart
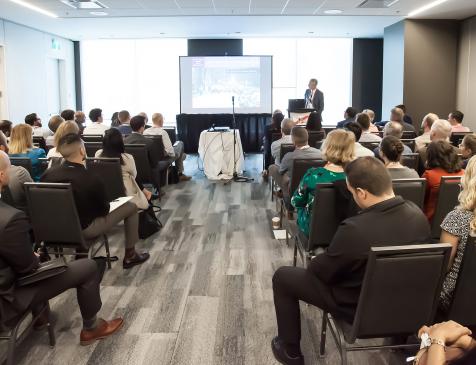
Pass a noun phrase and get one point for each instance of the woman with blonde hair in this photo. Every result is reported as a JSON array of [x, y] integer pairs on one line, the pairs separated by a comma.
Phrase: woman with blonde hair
[[21, 145], [68, 127], [338, 150], [455, 229]]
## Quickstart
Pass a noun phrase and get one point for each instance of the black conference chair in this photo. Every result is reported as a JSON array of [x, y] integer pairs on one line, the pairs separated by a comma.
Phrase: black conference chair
[[411, 189], [141, 159], [275, 136], [92, 137], [164, 160], [285, 148], [370, 145], [399, 294], [409, 143], [16, 333], [323, 225], [55, 222], [328, 129], [464, 296], [314, 137], [24, 162], [411, 161], [409, 135], [108, 170], [40, 141], [457, 137], [172, 134], [92, 148], [447, 200]]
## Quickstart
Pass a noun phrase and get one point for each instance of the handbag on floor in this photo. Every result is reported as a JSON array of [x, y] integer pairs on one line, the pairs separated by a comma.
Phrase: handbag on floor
[[148, 223], [44, 271]]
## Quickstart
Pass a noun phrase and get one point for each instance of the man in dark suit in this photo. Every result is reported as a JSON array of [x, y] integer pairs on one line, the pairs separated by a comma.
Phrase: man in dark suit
[[313, 97], [349, 116], [334, 278], [17, 258]]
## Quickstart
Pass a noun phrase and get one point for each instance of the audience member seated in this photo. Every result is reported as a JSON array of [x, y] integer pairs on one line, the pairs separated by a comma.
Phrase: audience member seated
[[449, 344], [175, 152], [406, 118], [373, 128], [424, 139], [115, 120], [146, 117], [80, 119], [440, 131], [442, 160], [53, 124], [68, 127], [391, 149], [67, 114], [363, 120], [21, 145], [282, 173], [91, 199], [113, 147], [6, 127], [468, 148], [359, 150], [18, 175], [34, 121], [349, 117], [125, 119], [398, 115], [456, 120], [274, 127], [314, 122], [393, 129], [97, 127], [286, 126], [333, 279], [17, 256], [337, 150]]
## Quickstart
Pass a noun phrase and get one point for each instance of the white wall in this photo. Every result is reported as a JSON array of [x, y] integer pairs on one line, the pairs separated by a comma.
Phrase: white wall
[[466, 80], [26, 53]]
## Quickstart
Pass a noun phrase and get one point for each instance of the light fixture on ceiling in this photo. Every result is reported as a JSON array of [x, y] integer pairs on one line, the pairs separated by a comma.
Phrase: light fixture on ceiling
[[392, 3], [84, 4], [98, 13], [333, 11], [34, 8], [426, 7]]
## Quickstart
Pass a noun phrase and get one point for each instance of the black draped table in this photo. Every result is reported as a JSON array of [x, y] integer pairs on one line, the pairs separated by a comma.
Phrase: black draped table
[[251, 126]]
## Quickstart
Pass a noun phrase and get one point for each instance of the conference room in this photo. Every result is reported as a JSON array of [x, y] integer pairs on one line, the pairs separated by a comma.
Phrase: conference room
[[237, 182]]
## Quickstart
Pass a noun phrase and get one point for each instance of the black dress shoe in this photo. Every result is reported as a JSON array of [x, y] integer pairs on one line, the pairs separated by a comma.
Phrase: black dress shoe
[[137, 259], [279, 352]]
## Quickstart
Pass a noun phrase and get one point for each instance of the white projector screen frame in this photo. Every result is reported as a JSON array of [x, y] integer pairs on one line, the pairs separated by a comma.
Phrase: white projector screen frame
[[221, 102]]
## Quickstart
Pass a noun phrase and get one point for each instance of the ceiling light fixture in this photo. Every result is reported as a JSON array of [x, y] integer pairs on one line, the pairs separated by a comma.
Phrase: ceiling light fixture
[[285, 6], [98, 13], [426, 7], [333, 11], [34, 8], [392, 3]]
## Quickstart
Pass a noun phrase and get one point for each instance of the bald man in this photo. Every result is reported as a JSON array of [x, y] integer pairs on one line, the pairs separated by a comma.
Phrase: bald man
[[80, 119], [176, 152], [16, 253]]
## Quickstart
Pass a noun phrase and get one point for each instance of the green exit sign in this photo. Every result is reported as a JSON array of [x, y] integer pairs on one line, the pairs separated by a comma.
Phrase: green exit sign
[[55, 44]]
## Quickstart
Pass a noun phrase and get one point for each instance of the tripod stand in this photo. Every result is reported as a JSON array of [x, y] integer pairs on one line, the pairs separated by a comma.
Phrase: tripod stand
[[236, 177]]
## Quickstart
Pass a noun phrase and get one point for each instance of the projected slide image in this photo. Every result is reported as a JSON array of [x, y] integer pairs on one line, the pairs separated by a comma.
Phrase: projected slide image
[[215, 81]]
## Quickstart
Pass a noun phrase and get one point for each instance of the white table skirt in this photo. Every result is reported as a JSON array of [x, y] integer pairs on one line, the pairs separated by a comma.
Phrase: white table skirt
[[216, 151]]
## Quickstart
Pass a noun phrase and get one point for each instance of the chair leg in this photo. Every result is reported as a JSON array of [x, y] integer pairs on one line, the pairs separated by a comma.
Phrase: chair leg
[[51, 331], [272, 188], [322, 347], [108, 254], [295, 252], [281, 215], [12, 345]]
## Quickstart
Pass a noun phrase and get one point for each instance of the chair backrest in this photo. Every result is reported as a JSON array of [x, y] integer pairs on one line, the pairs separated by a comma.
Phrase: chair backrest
[[400, 290], [92, 138], [411, 189], [408, 135], [172, 134], [314, 137], [370, 145], [411, 161], [92, 148], [457, 137], [108, 170], [285, 148], [275, 136], [53, 214], [40, 141], [328, 129], [447, 201], [23, 162], [462, 308], [141, 159], [324, 220], [409, 143], [300, 167], [158, 148]]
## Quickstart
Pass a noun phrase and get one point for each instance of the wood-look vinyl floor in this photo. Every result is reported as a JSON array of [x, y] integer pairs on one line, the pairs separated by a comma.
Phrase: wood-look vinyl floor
[[205, 295]]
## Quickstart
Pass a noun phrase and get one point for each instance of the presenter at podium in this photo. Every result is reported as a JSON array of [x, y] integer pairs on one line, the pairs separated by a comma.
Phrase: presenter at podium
[[314, 98]]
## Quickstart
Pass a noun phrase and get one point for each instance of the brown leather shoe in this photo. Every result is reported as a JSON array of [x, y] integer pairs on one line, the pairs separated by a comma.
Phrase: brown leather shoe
[[184, 178], [102, 330]]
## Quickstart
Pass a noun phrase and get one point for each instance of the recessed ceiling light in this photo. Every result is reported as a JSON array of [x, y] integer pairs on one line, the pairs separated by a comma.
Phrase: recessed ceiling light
[[34, 8], [311, 32], [98, 13], [333, 11], [426, 7]]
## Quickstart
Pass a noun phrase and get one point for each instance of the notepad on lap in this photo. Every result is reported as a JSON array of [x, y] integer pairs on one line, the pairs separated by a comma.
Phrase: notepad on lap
[[118, 202]]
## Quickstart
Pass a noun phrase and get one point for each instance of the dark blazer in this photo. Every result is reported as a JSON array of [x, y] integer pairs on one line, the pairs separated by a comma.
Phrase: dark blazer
[[16, 259], [317, 100], [137, 138], [342, 266], [343, 123]]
